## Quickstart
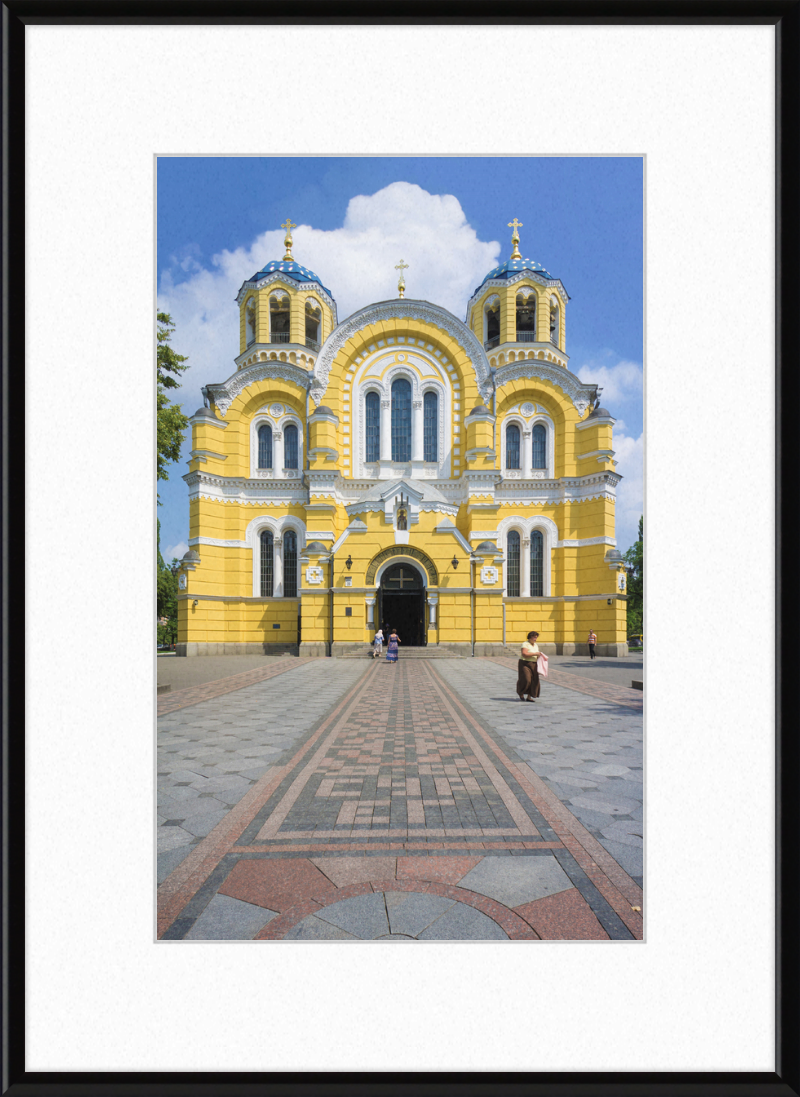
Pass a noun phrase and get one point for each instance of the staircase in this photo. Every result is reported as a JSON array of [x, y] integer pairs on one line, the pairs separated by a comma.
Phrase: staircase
[[433, 651]]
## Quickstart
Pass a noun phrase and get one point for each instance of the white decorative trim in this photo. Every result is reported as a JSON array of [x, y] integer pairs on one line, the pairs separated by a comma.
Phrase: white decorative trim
[[286, 280], [314, 574], [400, 559], [278, 428], [278, 527], [205, 420], [216, 541], [319, 535], [584, 541], [525, 526], [225, 393], [531, 368], [202, 455], [489, 575], [598, 420], [403, 309]]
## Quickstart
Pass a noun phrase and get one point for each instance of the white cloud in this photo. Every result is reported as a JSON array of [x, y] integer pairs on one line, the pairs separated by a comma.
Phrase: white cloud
[[175, 553], [629, 455], [430, 232], [620, 381]]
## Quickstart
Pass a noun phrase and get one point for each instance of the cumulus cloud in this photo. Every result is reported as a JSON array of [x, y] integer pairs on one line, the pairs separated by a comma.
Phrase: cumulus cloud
[[430, 232], [620, 381], [629, 455], [177, 552]]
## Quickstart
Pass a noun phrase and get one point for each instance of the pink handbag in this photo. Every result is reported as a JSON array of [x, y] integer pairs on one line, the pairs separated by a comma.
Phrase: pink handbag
[[541, 666]]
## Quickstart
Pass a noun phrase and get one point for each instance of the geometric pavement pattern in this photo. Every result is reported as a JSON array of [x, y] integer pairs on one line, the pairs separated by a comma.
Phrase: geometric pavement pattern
[[408, 801]]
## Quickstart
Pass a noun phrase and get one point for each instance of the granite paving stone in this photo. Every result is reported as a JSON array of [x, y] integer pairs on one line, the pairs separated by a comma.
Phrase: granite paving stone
[[410, 912], [226, 919], [363, 915], [463, 923], [313, 928], [518, 880]]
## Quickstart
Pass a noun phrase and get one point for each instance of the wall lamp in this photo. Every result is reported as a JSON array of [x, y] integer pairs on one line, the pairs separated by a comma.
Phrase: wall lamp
[[454, 562], [348, 562], [194, 603], [611, 601]]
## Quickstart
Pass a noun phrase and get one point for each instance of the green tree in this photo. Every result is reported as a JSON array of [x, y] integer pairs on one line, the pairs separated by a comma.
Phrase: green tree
[[171, 423], [166, 597], [634, 560]]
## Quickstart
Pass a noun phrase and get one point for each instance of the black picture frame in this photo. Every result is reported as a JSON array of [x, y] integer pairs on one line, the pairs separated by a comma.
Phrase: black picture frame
[[16, 15]]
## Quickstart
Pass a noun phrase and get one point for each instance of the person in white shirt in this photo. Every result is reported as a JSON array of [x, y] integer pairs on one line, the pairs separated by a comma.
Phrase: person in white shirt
[[527, 672], [378, 644]]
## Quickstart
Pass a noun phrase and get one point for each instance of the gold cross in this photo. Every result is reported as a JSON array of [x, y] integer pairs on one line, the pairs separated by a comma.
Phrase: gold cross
[[403, 579], [515, 224], [401, 284], [288, 224], [401, 266]]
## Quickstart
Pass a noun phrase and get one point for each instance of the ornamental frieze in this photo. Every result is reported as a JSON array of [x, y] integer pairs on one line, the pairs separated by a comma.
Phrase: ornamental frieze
[[581, 395], [225, 393], [403, 550]]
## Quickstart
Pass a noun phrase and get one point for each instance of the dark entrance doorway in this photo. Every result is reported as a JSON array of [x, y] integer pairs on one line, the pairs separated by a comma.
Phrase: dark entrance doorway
[[402, 604]]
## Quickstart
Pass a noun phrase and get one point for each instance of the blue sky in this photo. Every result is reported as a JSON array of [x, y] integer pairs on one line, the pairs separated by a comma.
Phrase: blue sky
[[219, 221]]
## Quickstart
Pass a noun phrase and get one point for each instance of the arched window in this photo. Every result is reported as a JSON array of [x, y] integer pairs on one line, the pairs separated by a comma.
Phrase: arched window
[[537, 564], [512, 565], [555, 322], [373, 417], [492, 325], [279, 319], [313, 324], [539, 445], [265, 446], [250, 321], [431, 426], [526, 317], [267, 544], [512, 447], [401, 420], [290, 447], [290, 564]]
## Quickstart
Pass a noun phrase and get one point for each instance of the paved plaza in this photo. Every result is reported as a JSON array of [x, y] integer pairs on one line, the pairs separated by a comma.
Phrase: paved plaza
[[341, 799]]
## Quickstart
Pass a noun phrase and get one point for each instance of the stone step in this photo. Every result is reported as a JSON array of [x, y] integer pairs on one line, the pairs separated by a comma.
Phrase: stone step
[[407, 653]]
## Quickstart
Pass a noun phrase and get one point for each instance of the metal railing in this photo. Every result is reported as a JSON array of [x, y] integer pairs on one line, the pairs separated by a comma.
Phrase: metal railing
[[279, 336], [312, 344], [526, 337], [490, 344]]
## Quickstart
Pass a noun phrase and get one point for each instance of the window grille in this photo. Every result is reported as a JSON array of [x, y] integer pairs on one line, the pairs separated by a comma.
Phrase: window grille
[[539, 438], [265, 446], [431, 426], [290, 447], [290, 564], [373, 415], [401, 420], [537, 564], [512, 567], [512, 447], [266, 564]]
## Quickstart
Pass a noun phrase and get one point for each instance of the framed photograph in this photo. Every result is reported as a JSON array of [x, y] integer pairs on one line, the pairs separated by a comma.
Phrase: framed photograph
[[147, 156]]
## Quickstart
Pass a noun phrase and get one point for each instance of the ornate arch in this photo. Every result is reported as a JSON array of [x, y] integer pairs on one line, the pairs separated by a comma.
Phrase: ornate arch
[[224, 394], [411, 553], [422, 311]]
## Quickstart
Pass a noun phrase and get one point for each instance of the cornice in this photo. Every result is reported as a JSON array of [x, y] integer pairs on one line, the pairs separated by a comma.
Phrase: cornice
[[290, 283], [225, 393], [520, 276], [580, 394], [401, 309]]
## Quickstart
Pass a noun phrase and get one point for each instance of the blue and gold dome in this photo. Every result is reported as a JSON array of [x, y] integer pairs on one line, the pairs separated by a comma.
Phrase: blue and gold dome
[[292, 269]]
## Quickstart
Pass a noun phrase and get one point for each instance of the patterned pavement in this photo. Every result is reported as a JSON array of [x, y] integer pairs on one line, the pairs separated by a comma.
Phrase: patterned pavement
[[336, 801]]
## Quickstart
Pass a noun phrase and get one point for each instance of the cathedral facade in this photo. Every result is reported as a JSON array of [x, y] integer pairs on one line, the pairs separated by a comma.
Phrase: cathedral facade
[[451, 479]]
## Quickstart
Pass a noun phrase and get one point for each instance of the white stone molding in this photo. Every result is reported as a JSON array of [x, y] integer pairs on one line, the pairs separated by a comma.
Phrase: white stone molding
[[202, 455], [206, 420], [448, 527], [489, 575], [225, 393], [403, 309], [278, 526], [433, 601], [596, 420], [319, 535], [400, 559], [183, 581], [533, 368], [218, 542], [314, 575], [522, 276], [525, 526], [370, 600], [283, 278], [584, 541]]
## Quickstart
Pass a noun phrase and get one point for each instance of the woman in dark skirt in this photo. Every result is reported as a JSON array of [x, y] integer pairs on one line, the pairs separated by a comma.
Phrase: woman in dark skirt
[[527, 671]]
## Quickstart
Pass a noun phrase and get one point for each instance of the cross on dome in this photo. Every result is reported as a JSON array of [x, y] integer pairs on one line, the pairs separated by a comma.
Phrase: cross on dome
[[288, 225]]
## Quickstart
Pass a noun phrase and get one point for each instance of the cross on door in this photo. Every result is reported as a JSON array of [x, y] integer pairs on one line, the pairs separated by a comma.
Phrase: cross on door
[[402, 578]]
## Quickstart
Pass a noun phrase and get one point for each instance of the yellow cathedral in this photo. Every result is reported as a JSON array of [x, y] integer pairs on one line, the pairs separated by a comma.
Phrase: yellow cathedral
[[451, 479]]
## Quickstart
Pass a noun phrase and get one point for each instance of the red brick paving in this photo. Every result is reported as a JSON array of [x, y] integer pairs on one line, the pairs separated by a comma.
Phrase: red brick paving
[[565, 916], [195, 694], [277, 885]]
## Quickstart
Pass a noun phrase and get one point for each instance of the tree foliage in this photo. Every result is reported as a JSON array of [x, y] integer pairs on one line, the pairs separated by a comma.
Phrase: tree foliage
[[171, 423], [634, 558], [166, 596]]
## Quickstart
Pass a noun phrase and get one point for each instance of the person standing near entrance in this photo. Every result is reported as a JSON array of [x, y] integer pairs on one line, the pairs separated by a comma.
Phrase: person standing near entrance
[[378, 644], [592, 642], [391, 650], [527, 671]]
